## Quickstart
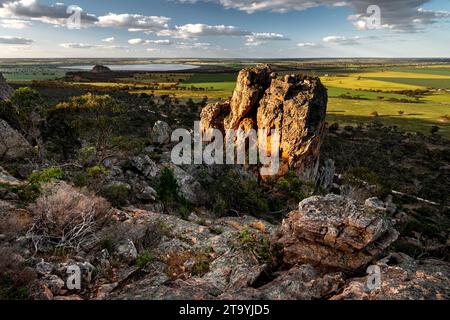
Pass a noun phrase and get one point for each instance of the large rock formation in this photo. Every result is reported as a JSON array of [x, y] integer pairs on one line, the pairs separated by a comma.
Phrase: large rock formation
[[334, 232], [296, 106], [5, 90]]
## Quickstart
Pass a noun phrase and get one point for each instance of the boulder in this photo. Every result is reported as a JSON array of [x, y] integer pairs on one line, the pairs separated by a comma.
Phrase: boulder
[[5, 90], [126, 251], [295, 106], [161, 133], [145, 165], [12, 144], [44, 268], [334, 232], [189, 186]]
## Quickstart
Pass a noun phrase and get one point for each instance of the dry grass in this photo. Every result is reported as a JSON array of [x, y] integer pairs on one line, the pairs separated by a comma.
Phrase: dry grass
[[64, 218]]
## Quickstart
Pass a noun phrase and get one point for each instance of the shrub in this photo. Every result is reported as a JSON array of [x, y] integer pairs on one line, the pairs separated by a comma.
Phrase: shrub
[[334, 127], [86, 155], [15, 276], [144, 258], [180, 264], [14, 223], [167, 187], [253, 243], [169, 193], [116, 194], [46, 175], [66, 219], [434, 129], [230, 191], [80, 179], [96, 171]]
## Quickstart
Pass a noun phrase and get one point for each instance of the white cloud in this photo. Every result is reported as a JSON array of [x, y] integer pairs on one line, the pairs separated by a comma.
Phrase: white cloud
[[15, 40], [14, 23], [111, 39], [259, 38], [341, 40], [189, 31], [139, 41], [56, 14], [402, 15], [77, 45], [194, 45], [134, 22], [307, 45]]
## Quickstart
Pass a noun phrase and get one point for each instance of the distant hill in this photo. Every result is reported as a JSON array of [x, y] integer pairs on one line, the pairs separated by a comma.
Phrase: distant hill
[[100, 69]]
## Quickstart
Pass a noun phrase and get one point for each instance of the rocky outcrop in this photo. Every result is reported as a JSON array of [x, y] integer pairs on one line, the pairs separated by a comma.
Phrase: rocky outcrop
[[334, 232], [12, 144], [7, 179], [5, 90], [161, 132], [402, 278], [100, 69], [295, 105]]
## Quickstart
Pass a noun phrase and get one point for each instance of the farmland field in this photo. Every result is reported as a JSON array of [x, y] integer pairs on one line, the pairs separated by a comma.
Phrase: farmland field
[[413, 97]]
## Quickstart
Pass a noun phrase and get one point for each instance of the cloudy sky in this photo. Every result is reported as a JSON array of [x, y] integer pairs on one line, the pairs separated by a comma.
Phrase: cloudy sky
[[225, 28]]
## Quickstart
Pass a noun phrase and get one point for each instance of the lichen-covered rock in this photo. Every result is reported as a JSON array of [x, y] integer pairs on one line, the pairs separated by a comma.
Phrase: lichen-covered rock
[[145, 165], [126, 251], [299, 283], [5, 90], [12, 144], [161, 133], [334, 232], [402, 278], [189, 186]]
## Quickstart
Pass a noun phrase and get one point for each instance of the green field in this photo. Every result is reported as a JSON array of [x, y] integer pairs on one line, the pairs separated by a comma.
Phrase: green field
[[357, 92]]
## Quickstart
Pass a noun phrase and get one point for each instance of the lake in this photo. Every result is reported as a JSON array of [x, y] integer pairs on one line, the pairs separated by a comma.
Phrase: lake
[[138, 67]]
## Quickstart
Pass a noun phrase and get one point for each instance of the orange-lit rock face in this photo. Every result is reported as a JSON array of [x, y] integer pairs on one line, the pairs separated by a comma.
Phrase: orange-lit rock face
[[295, 106]]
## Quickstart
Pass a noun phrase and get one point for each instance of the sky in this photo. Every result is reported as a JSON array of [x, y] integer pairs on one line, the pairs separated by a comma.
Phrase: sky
[[224, 28]]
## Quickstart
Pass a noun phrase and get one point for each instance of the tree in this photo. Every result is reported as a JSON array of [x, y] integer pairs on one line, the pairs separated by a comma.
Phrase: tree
[[99, 117], [30, 110]]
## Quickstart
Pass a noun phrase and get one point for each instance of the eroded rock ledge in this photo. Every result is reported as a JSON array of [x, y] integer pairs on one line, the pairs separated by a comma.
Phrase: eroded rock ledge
[[334, 232]]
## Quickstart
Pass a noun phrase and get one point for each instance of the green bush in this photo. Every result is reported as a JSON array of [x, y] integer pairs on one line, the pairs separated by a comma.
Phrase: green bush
[[46, 175], [167, 187], [251, 242], [86, 154], [169, 193], [117, 195], [96, 171], [144, 258], [80, 179]]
